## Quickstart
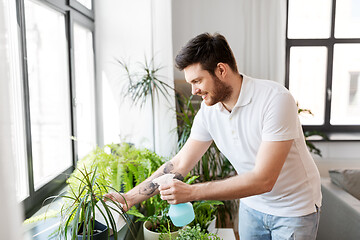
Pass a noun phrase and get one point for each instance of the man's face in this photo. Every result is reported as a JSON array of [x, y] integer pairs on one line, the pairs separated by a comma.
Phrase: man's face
[[209, 87]]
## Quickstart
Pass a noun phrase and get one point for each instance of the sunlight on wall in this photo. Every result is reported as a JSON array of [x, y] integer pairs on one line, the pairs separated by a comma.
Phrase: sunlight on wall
[[129, 31]]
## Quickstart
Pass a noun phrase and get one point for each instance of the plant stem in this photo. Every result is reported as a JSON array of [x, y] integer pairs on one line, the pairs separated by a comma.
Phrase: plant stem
[[153, 119]]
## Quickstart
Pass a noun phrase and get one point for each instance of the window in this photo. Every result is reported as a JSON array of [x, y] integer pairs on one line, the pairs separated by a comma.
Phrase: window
[[55, 99], [323, 62], [49, 96], [85, 89]]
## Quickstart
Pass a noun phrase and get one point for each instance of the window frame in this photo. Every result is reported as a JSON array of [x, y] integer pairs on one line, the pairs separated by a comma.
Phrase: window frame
[[72, 12], [327, 128], [89, 24]]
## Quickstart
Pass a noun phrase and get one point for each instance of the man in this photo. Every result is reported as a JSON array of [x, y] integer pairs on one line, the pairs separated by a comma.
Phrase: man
[[255, 125]]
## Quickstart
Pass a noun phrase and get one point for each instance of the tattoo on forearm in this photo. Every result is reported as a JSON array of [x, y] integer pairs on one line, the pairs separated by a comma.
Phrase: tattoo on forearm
[[178, 176], [168, 167], [149, 188]]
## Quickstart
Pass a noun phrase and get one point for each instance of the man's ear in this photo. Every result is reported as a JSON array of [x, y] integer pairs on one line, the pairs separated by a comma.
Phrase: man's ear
[[222, 69]]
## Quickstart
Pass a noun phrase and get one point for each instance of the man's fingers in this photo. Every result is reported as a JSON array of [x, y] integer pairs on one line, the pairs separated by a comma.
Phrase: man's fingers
[[109, 196], [164, 187]]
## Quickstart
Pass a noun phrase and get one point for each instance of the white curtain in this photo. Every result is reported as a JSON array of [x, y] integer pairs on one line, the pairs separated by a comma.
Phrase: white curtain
[[262, 44], [255, 30], [10, 211]]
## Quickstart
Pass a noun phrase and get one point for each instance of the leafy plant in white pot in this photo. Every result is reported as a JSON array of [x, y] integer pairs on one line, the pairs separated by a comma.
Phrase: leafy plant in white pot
[[157, 223], [205, 214]]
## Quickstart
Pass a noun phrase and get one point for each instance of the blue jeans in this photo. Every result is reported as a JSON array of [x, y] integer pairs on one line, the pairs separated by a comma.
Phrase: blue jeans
[[255, 225]]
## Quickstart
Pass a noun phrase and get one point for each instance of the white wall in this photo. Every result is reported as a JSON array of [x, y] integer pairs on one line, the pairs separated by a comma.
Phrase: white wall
[[193, 17], [10, 209], [337, 155], [131, 30]]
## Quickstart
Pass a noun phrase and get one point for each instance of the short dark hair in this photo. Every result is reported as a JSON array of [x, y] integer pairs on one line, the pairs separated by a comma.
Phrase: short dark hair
[[208, 50]]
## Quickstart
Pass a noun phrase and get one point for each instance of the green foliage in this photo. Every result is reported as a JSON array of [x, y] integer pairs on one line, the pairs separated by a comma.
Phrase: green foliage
[[145, 83], [159, 219], [213, 164], [48, 214], [195, 232], [205, 212], [81, 204], [312, 148], [157, 212], [185, 116], [122, 166]]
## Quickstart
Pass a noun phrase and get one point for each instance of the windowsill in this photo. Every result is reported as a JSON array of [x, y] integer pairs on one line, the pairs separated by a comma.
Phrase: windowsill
[[44, 229], [336, 137]]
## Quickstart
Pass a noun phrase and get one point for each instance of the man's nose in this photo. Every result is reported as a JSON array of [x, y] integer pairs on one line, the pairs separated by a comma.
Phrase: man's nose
[[194, 90]]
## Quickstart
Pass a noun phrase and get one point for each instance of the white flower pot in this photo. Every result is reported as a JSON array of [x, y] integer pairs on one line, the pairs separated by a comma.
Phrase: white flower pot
[[212, 226], [150, 235]]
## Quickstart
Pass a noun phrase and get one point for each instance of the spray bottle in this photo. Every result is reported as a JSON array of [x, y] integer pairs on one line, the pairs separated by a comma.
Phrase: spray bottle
[[180, 214]]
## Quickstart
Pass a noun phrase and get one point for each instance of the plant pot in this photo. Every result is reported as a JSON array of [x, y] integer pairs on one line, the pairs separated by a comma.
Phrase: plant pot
[[101, 232], [212, 226], [150, 235]]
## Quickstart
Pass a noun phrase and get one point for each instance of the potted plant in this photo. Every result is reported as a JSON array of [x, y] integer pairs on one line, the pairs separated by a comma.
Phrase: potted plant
[[156, 221], [308, 134], [195, 232], [145, 84], [82, 204], [205, 214]]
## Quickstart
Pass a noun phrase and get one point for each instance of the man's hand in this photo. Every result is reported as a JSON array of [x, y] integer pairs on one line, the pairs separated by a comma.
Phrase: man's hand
[[120, 198], [176, 192]]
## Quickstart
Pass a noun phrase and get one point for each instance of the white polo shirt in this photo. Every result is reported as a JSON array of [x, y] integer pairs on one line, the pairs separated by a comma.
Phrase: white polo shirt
[[265, 111]]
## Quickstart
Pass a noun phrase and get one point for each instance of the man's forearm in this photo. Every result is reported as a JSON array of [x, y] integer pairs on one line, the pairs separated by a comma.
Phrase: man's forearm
[[235, 187], [148, 188]]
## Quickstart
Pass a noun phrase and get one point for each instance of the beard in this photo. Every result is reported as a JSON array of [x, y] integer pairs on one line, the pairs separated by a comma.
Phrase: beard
[[221, 92]]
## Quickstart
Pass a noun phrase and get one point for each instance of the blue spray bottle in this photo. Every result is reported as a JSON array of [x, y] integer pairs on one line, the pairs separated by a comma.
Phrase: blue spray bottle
[[180, 214]]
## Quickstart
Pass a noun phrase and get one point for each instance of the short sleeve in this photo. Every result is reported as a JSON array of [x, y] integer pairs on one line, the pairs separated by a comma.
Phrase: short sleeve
[[199, 130], [281, 121]]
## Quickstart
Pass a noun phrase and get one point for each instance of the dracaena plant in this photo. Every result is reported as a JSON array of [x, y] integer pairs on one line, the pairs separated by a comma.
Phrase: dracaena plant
[[146, 84], [81, 204]]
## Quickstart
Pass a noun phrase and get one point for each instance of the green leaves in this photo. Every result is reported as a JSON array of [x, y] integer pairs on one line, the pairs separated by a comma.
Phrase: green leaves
[[195, 232], [145, 83], [205, 212]]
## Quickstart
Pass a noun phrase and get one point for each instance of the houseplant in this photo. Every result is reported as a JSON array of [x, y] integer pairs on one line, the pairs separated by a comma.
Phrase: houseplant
[[195, 232], [157, 221], [213, 165], [145, 84], [121, 166], [205, 214], [312, 148], [81, 205]]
